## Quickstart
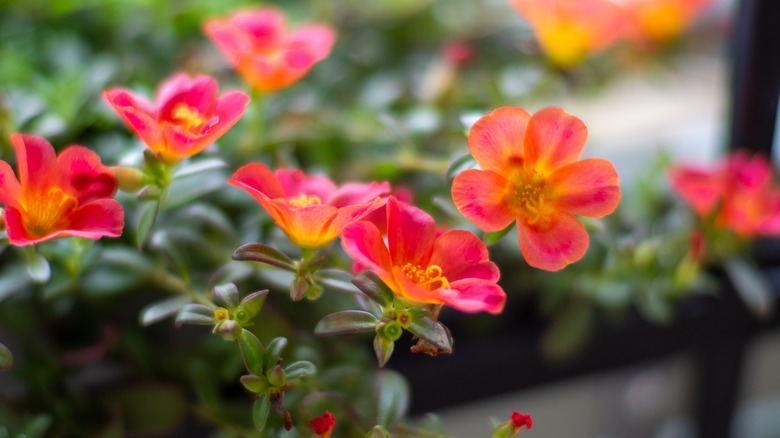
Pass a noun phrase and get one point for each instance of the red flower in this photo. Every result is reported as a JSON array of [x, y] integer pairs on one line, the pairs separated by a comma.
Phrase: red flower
[[187, 117], [519, 420], [265, 55], [423, 268], [323, 426], [57, 196], [310, 209], [530, 174], [739, 194]]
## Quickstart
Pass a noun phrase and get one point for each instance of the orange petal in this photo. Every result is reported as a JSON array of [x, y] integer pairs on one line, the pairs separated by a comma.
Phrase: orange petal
[[480, 196], [310, 227], [461, 254], [553, 139], [558, 241], [258, 179], [496, 140], [587, 188]]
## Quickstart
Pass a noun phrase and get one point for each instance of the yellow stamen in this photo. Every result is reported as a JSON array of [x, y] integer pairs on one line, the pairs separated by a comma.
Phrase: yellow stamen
[[187, 117], [304, 201], [46, 210], [430, 276]]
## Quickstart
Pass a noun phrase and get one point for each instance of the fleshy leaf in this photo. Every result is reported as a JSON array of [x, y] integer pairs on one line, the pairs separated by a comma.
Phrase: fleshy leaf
[[260, 410], [226, 294], [258, 252], [493, 237], [200, 166], [195, 314], [346, 322], [392, 398], [458, 165], [383, 347], [433, 332], [370, 284], [254, 384], [250, 306], [251, 351], [148, 217], [6, 358], [336, 279], [299, 369], [298, 288], [38, 269], [162, 309], [273, 351]]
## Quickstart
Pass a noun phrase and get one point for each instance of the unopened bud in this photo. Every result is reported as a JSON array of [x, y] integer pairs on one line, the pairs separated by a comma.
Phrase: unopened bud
[[276, 376], [229, 330], [130, 179]]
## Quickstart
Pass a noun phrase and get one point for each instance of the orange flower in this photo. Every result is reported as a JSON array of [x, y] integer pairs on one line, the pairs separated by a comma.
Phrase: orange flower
[[569, 30], [265, 55], [323, 426], [310, 209], [739, 193], [530, 173], [187, 117], [662, 20], [57, 196]]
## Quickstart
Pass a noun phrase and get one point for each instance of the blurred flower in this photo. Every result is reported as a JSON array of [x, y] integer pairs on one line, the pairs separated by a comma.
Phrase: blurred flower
[[310, 209], [511, 427], [451, 269], [458, 53], [661, 20], [187, 117], [530, 173], [268, 57], [569, 30], [57, 196], [323, 426], [739, 194]]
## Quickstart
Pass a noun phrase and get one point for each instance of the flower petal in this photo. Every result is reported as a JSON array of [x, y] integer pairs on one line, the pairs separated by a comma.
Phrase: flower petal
[[15, 231], [257, 179], [295, 183], [10, 189], [480, 196], [232, 41], [199, 93], [316, 39], [137, 114], [35, 159], [701, 189], [553, 139], [552, 245], [410, 233], [101, 218], [364, 243], [461, 254], [473, 295], [357, 193], [81, 174], [308, 227], [589, 187], [496, 140]]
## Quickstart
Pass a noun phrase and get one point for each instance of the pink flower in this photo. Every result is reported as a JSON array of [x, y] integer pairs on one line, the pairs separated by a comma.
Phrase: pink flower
[[57, 196], [739, 193], [310, 209], [452, 269], [186, 118], [531, 174], [264, 53]]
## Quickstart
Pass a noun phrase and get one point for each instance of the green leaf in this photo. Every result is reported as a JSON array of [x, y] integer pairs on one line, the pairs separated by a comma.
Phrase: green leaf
[[226, 294], [37, 427], [298, 288], [258, 252], [370, 284], [383, 348], [301, 368], [457, 166], [752, 285], [260, 410], [6, 358], [378, 432], [251, 352], [38, 268], [336, 279], [495, 236], [568, 332], [273, 351], [250, 306], [432, 331], [346, 322], [160, 310], [254, 384], [148, 217], [392, 398], [198, 167], [195, 314], [13, 280]]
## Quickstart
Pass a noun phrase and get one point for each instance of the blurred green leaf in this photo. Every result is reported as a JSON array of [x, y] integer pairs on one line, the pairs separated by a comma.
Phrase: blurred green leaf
[[250, 306], [569, 331], [195, 314], [38, 426], [150, 408], [495, 236], [457, 166], [149, 212], [198, 167], [370, 284], [336, 279], [6, 358], [752, 285], [260, 410], [301, 368], [273, 351], [392, 398], [13, 280], [226, 294], [258, 252], [346, 322], [38, 268], [251, 352], [160, 310]]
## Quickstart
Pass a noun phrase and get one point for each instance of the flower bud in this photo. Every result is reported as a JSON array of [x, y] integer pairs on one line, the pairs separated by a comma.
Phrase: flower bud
[[229, 330], [276, 376], [130, 180], [392, 331]]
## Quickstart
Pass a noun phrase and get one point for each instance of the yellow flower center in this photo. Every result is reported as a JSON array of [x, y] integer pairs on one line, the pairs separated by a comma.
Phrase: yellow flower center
[[533, 199], [304, 201], [566, 44], [46, 209], [221, 314], [662, 21], [430, 276], [188, 117]]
